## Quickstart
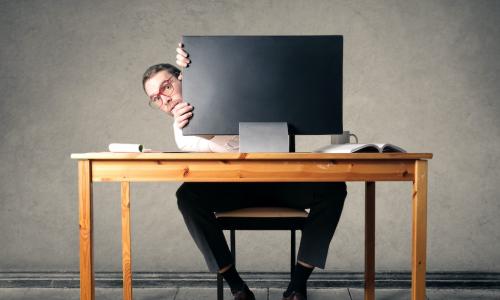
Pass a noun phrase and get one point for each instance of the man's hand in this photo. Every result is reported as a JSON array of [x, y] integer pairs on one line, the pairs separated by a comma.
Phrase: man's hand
[[182, 113], [182, 59]]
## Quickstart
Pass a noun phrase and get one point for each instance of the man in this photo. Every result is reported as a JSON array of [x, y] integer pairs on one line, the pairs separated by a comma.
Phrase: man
[[198, 201]]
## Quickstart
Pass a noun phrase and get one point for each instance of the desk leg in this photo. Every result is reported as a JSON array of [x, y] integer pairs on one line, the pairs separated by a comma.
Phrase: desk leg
[[419, 231], [369, 240], [126, 253], [86, 224]]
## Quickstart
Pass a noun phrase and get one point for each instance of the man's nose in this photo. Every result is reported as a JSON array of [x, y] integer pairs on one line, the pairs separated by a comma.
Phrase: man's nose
[[166, 99]]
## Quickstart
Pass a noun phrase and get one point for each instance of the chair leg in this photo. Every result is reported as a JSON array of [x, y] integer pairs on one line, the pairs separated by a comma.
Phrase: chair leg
[[220, 282], [220, 287], [233, 245], [292, 252]]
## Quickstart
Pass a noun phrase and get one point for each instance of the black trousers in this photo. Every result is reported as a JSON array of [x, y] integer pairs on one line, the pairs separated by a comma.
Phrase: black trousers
[[198, 202]]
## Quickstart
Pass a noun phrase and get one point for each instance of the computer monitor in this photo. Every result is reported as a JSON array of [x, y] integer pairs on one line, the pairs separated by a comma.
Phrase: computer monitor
[[292, 79]]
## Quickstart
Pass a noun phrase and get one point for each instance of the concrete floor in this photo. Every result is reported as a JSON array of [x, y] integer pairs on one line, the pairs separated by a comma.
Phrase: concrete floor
[[261, 294]]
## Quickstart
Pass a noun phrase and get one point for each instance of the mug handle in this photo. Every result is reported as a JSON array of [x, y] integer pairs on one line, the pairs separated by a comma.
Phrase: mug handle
[[355, 137]]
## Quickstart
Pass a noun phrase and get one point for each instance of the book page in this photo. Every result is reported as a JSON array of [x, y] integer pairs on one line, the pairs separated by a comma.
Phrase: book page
[[349, 148], [387, 148]]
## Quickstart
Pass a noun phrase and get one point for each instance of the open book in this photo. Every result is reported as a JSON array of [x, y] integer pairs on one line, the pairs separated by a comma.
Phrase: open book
[[360, 148], [118, 147]]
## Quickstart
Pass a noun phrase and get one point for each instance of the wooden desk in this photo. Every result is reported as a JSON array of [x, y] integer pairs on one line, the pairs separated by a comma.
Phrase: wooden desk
[[253, 167]]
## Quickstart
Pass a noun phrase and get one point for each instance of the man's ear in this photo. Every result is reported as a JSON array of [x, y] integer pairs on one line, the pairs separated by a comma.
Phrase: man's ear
[[180, 77]]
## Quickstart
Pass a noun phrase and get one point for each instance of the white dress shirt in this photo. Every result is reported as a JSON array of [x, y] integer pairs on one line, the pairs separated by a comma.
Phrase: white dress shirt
[[218, 143]]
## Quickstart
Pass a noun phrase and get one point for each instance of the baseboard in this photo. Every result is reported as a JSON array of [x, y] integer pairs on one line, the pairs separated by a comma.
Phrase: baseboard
[[455, 280]]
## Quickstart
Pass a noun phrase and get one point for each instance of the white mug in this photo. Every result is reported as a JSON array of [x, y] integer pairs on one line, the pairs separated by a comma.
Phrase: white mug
[[344, 138]]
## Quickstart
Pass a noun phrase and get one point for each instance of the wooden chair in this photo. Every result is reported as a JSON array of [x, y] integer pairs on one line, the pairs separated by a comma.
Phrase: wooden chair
[[260, 218]]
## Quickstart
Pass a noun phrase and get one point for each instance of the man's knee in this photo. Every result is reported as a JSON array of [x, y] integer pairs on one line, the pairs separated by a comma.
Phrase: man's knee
[[342, 192], [334, 195], [333, 189], [185, 197]]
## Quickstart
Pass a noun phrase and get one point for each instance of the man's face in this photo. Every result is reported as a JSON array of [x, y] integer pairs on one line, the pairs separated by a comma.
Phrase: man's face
[[164, 91]]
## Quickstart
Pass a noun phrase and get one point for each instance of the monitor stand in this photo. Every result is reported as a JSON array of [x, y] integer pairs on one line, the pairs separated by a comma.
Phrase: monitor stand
[[265, 137]]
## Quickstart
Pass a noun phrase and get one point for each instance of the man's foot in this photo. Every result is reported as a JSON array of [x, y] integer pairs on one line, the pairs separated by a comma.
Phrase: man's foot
[[295, 296], [246, 294], [238, 287], [297, 289]]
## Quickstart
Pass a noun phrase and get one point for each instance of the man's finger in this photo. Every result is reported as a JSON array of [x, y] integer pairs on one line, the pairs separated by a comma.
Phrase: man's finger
[[179, 57], [181, 51], [181, 64], [181, 111], [181, 117], [178, 106], [183, 60], [176, 113], [182, 124], [184, 110], [185, 116]]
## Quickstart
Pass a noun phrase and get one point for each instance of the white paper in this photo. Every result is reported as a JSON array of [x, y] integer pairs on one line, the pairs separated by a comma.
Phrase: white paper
[[118, 147]]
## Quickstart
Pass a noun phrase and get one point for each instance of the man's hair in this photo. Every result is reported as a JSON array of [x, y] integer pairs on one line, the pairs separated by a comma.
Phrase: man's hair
[[151, 71]]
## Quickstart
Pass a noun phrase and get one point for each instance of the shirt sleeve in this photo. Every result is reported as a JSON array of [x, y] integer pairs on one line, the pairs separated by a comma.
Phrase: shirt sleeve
[[195, 143]]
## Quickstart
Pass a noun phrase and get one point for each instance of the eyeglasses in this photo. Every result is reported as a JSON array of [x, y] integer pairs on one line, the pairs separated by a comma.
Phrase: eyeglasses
[[166, 89]]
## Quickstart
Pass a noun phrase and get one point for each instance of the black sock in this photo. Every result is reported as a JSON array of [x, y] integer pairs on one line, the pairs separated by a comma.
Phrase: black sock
[[299, 280], [234, 280]]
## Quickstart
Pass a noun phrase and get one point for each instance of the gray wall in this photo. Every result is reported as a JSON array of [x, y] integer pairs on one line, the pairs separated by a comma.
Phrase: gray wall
[[420, 74]]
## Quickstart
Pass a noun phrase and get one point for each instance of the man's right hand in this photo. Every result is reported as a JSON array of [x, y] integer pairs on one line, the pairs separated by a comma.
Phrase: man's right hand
[[182, 113]]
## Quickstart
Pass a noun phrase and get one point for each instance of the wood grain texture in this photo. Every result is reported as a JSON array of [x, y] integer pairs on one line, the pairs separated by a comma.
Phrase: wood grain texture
[[369, 241], [419, 231], [87, 291], [247, 156], [126, 244], [253, 170]]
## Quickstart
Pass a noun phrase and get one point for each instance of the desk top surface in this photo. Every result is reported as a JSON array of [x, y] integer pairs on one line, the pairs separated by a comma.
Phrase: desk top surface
[[247, 156]]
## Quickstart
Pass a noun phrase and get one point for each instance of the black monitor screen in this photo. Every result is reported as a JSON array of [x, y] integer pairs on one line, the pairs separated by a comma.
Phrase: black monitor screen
[[293, 79]]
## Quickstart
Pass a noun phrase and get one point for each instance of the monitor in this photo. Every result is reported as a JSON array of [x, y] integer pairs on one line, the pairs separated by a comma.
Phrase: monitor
[[292, 79]]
